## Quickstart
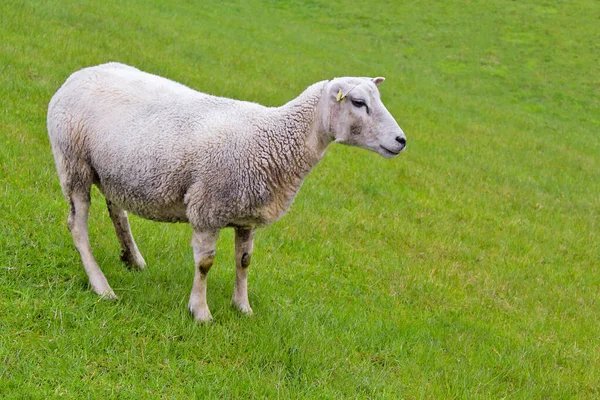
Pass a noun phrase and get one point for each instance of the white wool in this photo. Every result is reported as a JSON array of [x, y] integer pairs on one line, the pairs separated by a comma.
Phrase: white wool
[[166, 152]]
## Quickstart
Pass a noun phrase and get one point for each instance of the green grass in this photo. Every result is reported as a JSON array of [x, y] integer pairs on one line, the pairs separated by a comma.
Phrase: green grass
[[466, 268]]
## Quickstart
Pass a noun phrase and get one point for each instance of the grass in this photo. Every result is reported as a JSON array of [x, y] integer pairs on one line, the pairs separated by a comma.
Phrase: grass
[[467, 268]]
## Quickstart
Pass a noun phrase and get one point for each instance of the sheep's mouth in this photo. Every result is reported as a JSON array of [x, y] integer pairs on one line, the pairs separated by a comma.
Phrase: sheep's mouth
[[390, 152]]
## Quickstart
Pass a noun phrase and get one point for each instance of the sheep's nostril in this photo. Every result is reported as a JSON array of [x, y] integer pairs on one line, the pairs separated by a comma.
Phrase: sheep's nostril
[[401, 140]]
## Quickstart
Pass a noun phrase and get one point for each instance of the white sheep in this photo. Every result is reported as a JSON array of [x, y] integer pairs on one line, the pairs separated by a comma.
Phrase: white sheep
[[168, 153]]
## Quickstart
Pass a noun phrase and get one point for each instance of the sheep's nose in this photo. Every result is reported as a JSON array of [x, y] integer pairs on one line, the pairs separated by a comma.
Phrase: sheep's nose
[[401, 140]]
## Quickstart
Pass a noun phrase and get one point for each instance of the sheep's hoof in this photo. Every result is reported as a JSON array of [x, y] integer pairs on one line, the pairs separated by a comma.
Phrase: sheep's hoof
[[200, 314], [109, 295], [243, 308], [101, 287], [133, 261]]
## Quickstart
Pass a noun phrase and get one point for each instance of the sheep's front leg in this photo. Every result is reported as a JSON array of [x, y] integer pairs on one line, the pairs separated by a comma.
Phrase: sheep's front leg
[[204, 245], [243, 253]]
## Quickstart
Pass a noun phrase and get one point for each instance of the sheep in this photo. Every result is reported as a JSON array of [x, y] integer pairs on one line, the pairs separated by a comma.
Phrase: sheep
[[166, 152]]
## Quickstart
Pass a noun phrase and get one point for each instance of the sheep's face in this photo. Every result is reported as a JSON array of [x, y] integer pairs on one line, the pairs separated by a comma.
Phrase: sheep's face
[[357, 117]]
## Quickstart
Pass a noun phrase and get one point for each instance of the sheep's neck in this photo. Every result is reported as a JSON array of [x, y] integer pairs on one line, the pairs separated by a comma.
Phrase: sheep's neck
[[296, 145]]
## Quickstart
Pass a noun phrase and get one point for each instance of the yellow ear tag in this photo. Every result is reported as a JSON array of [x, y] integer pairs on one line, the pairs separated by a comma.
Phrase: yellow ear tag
[[340, 96]]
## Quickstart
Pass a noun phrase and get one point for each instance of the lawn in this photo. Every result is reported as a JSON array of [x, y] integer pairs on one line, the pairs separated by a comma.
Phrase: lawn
[[466, 268]]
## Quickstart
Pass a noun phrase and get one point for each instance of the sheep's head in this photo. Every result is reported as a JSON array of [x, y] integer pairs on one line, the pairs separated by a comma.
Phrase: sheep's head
[[354, 115]]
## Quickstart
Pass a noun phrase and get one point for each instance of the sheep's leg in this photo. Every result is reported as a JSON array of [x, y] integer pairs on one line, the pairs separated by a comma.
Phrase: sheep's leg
[[243, 253], [204, 245], [130, 255], [78, 226]]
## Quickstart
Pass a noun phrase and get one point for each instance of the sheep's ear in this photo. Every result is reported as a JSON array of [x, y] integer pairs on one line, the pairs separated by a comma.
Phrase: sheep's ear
[[379, 80]]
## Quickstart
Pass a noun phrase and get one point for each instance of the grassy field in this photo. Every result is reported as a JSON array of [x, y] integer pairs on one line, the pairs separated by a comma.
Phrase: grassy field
[[466, 268]]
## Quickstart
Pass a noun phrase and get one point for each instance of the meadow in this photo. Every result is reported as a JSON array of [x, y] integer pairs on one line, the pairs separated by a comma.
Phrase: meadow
[[466, 268]]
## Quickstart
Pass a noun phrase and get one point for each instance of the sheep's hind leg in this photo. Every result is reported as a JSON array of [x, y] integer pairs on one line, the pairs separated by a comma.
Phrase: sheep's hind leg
[[243, 253], [130, 255], [204, 245], [78, 226]]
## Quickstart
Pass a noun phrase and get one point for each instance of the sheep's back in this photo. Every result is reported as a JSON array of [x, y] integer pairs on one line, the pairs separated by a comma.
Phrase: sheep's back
[[149, 139]]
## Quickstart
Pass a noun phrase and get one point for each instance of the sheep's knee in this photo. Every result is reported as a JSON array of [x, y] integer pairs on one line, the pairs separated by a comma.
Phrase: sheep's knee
[[206, 263], [204, 245], [246, 258]]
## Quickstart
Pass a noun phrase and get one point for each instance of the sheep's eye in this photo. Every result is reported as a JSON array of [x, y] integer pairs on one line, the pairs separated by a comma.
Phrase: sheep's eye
[[358, 103]]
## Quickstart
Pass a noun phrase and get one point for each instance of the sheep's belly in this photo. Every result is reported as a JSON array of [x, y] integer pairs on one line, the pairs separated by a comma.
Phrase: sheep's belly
[[160, 214], [166, 209]]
